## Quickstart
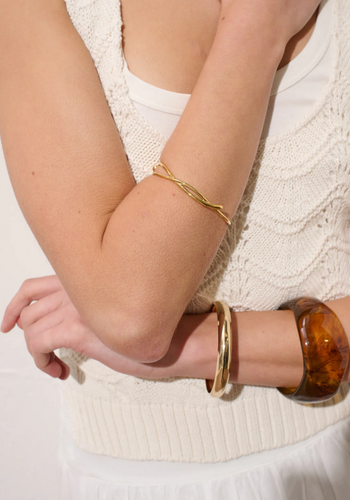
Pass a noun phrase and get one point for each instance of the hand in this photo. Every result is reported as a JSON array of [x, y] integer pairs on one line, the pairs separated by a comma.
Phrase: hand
[[53, 322], [48, 324], [281, 18]]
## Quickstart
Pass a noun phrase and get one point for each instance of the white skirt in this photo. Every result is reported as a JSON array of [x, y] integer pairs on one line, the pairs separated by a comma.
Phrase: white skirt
[[317, 468]]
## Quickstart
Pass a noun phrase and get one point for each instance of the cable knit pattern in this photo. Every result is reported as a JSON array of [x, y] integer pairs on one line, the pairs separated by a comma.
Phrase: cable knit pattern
[[289, 237]]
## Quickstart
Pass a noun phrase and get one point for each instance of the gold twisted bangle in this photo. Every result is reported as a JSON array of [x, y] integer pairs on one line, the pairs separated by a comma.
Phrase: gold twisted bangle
[[185, 187], [217, 387]]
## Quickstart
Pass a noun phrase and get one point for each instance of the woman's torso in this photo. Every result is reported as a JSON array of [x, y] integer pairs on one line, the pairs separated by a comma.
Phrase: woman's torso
[[278, 247], [143, 476]]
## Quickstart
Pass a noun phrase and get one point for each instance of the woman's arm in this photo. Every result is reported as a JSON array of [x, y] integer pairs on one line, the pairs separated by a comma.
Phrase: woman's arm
[[130, 257], [266, 348]]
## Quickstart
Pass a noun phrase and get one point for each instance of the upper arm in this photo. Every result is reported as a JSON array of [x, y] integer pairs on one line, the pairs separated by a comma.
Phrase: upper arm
[[63, 152]]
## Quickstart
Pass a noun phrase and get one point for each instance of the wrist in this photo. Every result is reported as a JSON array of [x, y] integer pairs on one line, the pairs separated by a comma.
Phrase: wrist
[[269, 350], [194, 346], [266, 349]]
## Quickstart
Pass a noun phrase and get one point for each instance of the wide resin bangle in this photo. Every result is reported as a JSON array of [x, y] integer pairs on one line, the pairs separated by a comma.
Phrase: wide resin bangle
[[325, 348]]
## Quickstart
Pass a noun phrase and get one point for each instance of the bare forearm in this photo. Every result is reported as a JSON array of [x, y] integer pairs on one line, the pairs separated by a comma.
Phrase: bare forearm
[[159, 242], [266, 347]]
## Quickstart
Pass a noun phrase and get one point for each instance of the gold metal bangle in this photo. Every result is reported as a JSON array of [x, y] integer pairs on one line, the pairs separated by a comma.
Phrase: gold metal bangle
[[185, 187], [217, 387], [325, 348]]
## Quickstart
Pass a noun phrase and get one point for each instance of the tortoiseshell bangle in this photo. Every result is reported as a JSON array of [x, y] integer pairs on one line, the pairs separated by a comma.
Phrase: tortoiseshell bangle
[[325, 348]]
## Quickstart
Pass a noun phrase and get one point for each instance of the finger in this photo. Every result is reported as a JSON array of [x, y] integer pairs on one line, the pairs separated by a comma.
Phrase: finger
[[43, 307], [49, 333], [56, 368], [65, 369], [46, 335], [38, 334], [31, 289], [41, 346]]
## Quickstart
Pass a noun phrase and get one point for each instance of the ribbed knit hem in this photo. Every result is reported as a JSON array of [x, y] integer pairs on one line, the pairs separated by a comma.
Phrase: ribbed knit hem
[[179, 433]]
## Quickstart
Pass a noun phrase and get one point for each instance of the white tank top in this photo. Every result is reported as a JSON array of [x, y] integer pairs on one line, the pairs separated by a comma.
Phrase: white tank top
[[295, 89]]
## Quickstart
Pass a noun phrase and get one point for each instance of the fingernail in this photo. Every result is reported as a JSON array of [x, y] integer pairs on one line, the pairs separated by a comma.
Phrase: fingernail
[[1, 327]]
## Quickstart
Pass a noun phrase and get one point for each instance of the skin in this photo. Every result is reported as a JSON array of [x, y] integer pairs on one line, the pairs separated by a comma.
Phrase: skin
[[81, 146], [187, 30], [44, 311]]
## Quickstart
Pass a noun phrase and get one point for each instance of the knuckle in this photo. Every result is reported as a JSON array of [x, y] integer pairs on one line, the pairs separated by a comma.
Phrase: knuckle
[[25, 317], [27, 283], [34, 343], [76, 326], [29, 332], [25, 289], [74, 335], [23, 314]]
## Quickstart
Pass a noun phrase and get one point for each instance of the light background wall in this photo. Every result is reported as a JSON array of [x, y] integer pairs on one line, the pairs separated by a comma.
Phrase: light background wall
[[29, 399]]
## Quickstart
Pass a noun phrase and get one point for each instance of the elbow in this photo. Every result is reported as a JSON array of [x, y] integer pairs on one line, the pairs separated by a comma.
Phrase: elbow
[[136, 339], [143, 346], [143, 350]]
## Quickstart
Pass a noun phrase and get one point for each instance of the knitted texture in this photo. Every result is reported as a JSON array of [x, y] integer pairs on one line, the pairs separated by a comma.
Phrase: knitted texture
[[290, 237]]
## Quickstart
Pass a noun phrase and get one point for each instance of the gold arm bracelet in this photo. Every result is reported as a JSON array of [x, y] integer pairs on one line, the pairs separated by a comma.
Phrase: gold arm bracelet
[[217, 387], [185, 187]]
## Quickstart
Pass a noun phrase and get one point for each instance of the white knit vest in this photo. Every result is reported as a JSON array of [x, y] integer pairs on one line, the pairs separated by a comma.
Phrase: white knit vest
[[290, 237]]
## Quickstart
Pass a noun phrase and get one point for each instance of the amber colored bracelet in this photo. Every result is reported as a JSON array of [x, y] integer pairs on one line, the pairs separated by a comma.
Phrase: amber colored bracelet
[[325, 348], [200, 198], [217, 387]]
